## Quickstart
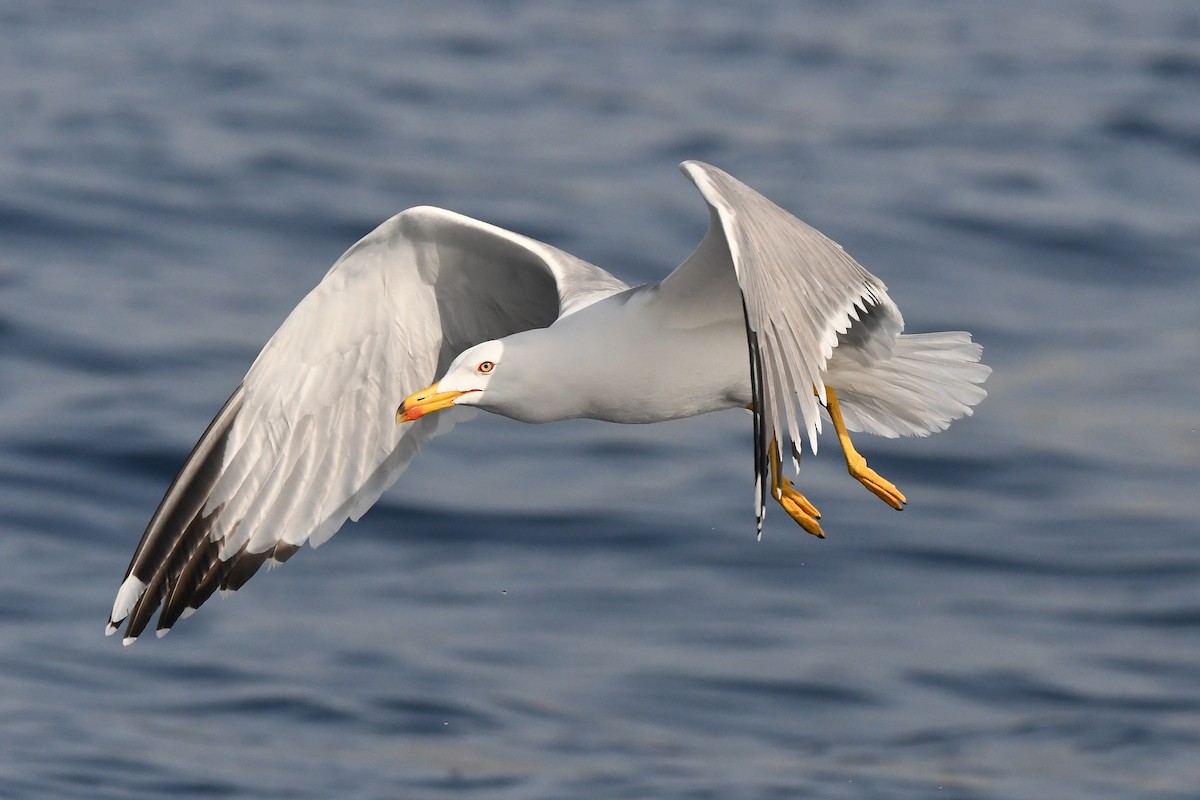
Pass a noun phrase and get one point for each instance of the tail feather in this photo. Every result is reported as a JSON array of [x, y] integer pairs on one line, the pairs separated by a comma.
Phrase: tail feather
[[930, 380]]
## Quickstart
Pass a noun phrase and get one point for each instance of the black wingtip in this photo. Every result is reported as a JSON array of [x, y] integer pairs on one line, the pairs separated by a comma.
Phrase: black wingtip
[[761, 445], [178, 527], [242, 568]]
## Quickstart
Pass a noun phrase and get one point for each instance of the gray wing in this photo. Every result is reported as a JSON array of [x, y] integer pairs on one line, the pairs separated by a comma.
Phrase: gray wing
[[800, 292], [310, 438]]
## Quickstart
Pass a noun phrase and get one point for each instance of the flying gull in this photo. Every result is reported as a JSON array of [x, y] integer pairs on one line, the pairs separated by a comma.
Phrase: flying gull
[[433, 309]]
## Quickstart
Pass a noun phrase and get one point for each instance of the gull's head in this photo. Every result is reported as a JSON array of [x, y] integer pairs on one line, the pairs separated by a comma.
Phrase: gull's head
[[464, 384]]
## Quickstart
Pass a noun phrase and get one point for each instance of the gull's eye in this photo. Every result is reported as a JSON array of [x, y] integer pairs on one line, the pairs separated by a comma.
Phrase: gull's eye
[[485, 367]]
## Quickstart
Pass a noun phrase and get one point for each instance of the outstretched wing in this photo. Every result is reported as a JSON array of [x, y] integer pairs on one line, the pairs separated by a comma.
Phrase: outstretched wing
[[310, 437], [800, 292]]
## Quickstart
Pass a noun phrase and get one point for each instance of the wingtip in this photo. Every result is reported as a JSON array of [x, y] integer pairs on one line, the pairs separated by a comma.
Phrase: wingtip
[[128, 640], [693, 169], [694, 163], [127, 597], [110, 628]]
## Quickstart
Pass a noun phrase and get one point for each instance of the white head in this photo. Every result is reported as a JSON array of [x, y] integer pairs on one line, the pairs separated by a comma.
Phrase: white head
[[464, 384], [531, 376]]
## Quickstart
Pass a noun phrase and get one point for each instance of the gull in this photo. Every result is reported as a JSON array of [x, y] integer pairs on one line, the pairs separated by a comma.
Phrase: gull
[[439, 310]]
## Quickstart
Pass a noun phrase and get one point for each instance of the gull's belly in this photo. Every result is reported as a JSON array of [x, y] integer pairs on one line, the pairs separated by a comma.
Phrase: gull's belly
[[657, 375]]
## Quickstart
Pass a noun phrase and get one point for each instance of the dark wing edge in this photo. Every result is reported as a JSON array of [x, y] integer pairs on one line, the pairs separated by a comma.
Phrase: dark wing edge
[[176, 530], [762, 456]]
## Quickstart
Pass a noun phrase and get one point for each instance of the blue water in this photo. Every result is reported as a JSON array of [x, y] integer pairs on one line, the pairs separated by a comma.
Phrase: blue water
[[581, 610]]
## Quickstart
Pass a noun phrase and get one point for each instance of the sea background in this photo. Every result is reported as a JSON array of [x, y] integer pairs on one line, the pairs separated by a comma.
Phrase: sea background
[[581, 610]]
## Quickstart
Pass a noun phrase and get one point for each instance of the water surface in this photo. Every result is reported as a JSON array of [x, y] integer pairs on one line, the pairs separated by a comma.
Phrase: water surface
[[581, 610]]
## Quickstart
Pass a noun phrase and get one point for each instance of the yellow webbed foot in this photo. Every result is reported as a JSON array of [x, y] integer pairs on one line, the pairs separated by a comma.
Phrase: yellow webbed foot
[[882, 488], [798, 508], [795, 504]]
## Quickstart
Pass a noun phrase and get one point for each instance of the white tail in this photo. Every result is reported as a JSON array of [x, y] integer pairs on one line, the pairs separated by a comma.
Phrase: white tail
[[930, 380]]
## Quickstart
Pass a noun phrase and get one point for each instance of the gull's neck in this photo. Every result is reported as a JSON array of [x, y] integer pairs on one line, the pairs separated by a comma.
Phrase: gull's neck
[[630, 358]]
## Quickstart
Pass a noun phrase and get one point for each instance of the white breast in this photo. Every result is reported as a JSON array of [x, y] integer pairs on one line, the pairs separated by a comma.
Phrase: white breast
[[630, 360]]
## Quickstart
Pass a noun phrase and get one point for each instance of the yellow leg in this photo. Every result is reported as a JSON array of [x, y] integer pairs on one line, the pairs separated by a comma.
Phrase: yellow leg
[[794, 503], [883, 489]]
